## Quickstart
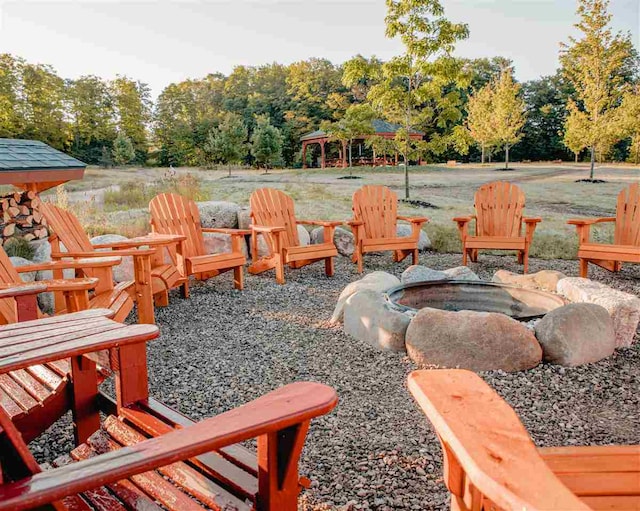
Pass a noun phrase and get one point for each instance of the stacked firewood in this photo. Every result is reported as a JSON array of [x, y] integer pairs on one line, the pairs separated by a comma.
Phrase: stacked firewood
[[21, 217]]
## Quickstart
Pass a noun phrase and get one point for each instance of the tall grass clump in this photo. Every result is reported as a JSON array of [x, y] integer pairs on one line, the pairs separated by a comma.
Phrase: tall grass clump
[[18, 247]]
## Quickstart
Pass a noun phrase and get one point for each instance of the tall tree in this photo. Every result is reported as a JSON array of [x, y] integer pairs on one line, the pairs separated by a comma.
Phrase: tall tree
[[411, 90], [359, 74], [266, 143], [11, 118], [597, 65], [576, 131], [356, 123], [133, 110], [479, 117], [508, 113], [123, 150], [630, 122], [227, 143]]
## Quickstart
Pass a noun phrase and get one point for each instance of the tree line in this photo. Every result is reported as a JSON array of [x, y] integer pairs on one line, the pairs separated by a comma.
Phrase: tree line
[[468, 109]]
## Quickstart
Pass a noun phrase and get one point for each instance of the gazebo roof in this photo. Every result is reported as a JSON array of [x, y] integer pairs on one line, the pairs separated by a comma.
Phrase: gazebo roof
[[380, 126], [33, 165]]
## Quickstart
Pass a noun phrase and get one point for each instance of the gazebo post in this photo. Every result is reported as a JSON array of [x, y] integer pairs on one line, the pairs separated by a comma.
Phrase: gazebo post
[[304, 155], [344, 155], [322, 154]]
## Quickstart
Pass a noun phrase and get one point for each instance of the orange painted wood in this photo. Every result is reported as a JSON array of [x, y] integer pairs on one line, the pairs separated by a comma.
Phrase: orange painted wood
[[149, 278], [490, 460], [176, 215], [273, 217], [374, 224], [499, 222], [626, 242]]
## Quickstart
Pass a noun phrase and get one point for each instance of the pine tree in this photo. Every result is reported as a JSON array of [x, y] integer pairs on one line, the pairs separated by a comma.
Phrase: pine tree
[[266, 143], [227, 142], [123, 151]]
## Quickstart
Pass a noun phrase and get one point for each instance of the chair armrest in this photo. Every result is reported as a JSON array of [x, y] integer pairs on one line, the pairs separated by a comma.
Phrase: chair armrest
[[532, 220], [71, 284], [414, 220], [355, 223], [464, 219], [151, 240], [75, 264], [231, 232], [319, 223], [267, 230], [123, 253], [290, 405], [591, 221], [28, 288]]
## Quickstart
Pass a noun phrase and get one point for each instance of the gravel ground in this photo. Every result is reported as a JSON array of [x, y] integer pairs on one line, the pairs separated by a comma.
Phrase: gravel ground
[[222, 348]]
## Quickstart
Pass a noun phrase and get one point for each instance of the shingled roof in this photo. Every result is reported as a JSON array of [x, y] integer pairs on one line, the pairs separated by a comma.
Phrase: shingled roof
[[31, 164], [379, 126]]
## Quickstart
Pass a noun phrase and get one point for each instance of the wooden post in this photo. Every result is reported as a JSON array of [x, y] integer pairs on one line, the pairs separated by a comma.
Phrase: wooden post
[[344, 155], [144, 295], [132, 384], [322, 154], [304, 155], [86, 417]]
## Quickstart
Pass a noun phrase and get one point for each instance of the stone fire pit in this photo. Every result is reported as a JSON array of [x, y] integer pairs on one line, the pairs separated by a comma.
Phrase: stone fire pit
[[452, 319]]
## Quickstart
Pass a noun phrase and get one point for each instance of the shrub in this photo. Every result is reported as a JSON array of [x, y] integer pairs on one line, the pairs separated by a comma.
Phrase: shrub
[[444, 238], [18, 247]]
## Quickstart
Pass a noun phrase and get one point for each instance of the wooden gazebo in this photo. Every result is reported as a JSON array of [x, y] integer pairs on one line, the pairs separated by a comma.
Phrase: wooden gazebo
[[381, 128], [34, 166]]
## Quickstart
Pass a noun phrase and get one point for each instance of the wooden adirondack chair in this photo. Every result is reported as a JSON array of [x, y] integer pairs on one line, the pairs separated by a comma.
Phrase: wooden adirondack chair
[[626, 241], [374, 224], [173, 214], [152, 276], [499, 217], [273, 216], [145, 455], [492, 463]]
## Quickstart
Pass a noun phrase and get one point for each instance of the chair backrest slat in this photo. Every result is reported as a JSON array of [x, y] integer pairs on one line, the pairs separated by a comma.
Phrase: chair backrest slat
[[174, 214], [8, 275], [377, 208], [627, 231], [67, 227], [499, 209], [274, 208]]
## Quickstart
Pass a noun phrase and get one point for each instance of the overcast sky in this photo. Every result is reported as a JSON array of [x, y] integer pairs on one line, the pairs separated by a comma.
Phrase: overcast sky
[[160, 42]]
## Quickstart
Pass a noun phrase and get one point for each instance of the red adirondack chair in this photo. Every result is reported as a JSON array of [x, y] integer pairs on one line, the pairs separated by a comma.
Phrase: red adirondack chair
[[173, 214], [375, 220], [273, 216], [499, 220], [491, 462], [153, 277], [145, 455], [626, 241]]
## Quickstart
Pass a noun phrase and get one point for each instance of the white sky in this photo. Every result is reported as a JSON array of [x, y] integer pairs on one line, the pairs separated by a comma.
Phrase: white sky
[[160, 42]]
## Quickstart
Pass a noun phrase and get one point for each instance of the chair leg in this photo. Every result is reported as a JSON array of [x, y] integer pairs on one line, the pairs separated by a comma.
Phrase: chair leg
[[464, 256], [525, 258], [328, 266], [238, 277], [184, 289], [279, 270], [415, 256], [584, 268], [474, 255], [359, 256], [161, 299]]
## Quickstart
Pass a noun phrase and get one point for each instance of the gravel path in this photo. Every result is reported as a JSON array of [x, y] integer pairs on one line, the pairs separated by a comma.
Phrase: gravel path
[[375, 451]]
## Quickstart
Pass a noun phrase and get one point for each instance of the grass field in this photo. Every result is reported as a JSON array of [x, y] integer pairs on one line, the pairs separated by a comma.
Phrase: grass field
[[115, 199]]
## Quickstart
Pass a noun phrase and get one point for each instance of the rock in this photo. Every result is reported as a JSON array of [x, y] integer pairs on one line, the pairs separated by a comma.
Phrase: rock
[[244, 218], [303, 236], [545, 280], [219, 214], [220, 243], [344, 240], [21, 261], [478, 341], [368, 318], [423, 240], [124, 271], [419, 273], [624, 308], [42, 251], [576, 334], [461, 273], [378, 281]]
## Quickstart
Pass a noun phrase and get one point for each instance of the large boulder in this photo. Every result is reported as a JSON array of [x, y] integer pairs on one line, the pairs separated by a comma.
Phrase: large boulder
[[21, 261], [378, 281], [244, 218], [343, 239], [219, 214], [220, 243], [478, 341], [545, 280], [461, 273], [576, 334], [124, 272], [423, 240], [368, 318], [624, 308], [419, 273], [303, 237]]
